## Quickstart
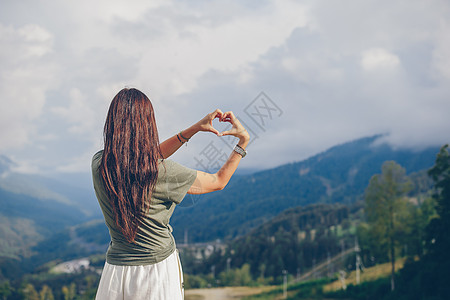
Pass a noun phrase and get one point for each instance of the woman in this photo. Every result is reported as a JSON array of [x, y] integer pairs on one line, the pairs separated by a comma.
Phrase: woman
[[138, 189]]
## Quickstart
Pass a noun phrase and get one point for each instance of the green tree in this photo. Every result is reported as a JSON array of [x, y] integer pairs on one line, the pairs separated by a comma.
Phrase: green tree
[[438, 231], [429, 278], [5, 290], [46, 293], [237, 277], [439, 228], [415, 227], [29, 292], [69, 292], [385, 202]]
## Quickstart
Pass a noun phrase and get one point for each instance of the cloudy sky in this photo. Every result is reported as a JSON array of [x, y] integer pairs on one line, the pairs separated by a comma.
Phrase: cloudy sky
[[302, 75]]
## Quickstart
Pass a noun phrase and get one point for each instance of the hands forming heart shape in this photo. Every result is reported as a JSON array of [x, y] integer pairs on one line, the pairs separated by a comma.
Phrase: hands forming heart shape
[[237, 130]]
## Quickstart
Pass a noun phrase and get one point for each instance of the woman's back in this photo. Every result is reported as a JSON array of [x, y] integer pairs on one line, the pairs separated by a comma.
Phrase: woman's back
[[154, 241]]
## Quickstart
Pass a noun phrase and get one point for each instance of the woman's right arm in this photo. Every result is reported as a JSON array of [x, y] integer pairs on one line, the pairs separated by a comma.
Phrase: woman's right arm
[[172, 144], [207, 182]]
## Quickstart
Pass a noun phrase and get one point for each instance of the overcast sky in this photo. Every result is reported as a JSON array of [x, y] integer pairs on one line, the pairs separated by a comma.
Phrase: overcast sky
[[302, 75]]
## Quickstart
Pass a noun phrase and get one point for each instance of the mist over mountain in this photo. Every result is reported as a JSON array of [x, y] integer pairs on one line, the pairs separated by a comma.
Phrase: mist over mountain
[[337, 175]]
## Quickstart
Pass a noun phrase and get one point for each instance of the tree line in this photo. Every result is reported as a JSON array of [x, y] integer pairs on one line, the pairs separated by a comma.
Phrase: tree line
[[396, 217], [425, 274]]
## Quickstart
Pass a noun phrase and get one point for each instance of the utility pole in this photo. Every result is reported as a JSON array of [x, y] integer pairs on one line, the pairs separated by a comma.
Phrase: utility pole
[[329, 264], [342, 279], [358, 264], [314, 268], [358, 261]]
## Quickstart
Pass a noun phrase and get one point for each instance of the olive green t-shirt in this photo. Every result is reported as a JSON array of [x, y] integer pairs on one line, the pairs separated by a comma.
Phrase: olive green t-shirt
[[154, 241]]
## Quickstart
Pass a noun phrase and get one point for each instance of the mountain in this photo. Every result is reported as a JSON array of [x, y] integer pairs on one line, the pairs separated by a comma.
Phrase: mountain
[[338, 175], [66, 243], [33, 207], [35, 211], [292, 240]]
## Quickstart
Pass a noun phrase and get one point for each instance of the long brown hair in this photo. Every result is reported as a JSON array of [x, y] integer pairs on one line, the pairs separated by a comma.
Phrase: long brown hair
[[129, 166]]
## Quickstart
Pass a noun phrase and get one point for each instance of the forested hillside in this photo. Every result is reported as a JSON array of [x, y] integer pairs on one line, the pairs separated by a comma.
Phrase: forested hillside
[[34, 207], [294, 241], [25, 220], [287, 218], [327, 236], [338, 175]]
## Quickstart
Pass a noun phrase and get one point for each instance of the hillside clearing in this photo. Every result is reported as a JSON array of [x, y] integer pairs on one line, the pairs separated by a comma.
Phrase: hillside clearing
[[369, 274], [225, 293]]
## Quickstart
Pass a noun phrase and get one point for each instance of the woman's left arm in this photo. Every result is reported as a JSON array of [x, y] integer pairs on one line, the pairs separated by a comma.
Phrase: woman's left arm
[[172, 144]]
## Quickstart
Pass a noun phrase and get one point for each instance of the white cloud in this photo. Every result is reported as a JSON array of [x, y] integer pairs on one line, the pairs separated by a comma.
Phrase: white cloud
[[333, 89], [337, 73], [441, 56], [379, 58], [181, 43], [39, 40], [79, 114], [26, 75]]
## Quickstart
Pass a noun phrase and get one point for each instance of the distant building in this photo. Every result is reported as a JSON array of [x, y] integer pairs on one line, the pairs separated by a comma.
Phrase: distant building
[[73, 266]]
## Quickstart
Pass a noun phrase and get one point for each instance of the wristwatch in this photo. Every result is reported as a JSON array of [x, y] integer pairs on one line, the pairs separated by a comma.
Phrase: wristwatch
[[239, 150]]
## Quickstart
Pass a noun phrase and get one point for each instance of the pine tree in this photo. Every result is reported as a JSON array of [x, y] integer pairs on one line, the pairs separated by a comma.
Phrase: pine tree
[[29, 292], [385, 200], [69, 292], [5, 289], [46, 293], [438, 231]]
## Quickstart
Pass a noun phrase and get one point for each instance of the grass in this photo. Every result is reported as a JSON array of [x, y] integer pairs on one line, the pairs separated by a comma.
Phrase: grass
[[224, 293], [369, 274], [317, 289], [302, 290]]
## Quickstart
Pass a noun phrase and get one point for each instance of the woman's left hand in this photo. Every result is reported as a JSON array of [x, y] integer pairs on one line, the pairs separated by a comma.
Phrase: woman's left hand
[[205, 124]]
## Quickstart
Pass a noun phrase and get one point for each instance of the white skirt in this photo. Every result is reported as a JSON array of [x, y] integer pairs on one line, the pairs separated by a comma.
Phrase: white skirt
[[160, 281]]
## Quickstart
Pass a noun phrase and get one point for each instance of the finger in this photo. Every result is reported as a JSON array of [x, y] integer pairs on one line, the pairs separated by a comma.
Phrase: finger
[[224, 116], [213, 130], [228, 119], [228, 114], [231, 131], [216, 114], [227, 132], [221, 117]]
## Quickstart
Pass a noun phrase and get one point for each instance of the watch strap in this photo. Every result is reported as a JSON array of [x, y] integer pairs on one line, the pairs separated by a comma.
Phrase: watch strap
[[239, 150]]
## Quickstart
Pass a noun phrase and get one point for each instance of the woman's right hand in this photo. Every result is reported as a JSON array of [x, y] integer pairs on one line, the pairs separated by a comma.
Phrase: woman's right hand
[[237, 129]]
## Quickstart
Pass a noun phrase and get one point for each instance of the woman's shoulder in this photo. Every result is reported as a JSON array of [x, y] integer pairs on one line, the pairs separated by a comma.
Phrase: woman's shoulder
[[173, 167], [96, 159], [168, 163], [98, 154]]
